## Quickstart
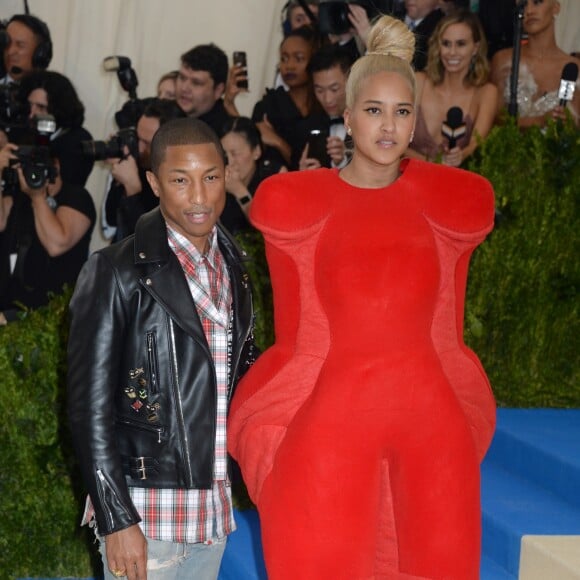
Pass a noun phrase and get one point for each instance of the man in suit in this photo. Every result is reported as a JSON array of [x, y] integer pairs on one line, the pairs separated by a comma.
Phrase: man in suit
[[421, 16]]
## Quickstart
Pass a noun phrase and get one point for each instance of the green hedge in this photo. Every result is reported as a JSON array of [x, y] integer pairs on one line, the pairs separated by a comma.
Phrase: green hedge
[[521, 314], [522, 307]]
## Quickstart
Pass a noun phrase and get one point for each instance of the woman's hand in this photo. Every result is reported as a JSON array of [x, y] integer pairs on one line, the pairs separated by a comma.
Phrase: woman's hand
[[453, 157]]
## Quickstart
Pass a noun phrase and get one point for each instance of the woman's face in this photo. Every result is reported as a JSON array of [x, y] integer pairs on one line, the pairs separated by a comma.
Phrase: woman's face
[[382, 119], [539, 15], [241, 156], [166, 89], [295, 54], [38, 102], [457, 48]]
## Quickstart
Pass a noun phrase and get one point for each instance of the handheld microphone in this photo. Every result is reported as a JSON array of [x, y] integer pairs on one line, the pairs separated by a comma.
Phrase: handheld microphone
[[568, 83], [453, 127], [16, 70]]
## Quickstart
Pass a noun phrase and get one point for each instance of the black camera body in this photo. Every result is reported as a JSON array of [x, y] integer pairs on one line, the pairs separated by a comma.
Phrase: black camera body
[[114, 147], [34, 159], [36, 164]]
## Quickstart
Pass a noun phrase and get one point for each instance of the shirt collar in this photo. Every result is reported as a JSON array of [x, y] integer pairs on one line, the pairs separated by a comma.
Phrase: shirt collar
[[180, 242]]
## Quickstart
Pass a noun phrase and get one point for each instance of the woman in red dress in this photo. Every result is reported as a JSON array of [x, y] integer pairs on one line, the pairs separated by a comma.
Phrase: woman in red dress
[[360, 432]]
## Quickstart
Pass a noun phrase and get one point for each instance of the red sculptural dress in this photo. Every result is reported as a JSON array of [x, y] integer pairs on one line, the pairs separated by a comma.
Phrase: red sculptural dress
[[360, 432]]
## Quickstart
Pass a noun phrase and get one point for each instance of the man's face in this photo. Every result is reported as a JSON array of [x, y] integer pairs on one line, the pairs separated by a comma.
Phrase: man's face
[[21, 46], [419, 8], [146, 128], [191, 188], [196, 91], [330, 90]]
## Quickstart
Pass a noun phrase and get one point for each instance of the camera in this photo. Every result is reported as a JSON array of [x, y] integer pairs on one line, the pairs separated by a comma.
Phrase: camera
[[126, 118], [35, 160], [114, 147], [333, 15]]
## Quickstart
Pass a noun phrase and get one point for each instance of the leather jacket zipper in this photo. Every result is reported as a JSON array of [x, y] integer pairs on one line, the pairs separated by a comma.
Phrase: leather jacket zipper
[[143, 427], [152, 361], [240, 350], [179, 407]]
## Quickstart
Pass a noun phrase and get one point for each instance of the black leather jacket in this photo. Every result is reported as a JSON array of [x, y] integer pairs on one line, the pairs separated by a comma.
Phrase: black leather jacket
[[141, 378]]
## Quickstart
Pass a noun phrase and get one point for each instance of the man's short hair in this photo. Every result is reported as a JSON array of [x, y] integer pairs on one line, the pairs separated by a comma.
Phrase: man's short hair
[[210, 58], [186, 131], [330, 56]]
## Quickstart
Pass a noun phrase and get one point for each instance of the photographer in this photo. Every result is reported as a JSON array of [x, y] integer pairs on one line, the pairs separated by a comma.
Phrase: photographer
[[45, 235], [28, 47], [329, 68], [130, 195], [43, 92]]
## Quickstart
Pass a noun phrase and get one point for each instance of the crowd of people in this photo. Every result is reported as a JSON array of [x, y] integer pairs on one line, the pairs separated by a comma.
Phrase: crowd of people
[[355, 108], [296, 125]]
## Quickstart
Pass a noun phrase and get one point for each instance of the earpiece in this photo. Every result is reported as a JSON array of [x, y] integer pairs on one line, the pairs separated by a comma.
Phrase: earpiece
[[43, 52]]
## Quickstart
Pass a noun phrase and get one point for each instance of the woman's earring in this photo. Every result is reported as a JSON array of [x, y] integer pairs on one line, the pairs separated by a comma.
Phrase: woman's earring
[[472, 63], [412, 137], [349, 131]]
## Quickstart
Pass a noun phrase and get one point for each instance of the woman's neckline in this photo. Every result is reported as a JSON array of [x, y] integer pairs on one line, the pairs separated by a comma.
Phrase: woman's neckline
[[403, 167]]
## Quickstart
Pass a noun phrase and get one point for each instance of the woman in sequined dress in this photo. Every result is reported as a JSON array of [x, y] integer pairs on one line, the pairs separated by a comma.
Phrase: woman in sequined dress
[[541, 65]]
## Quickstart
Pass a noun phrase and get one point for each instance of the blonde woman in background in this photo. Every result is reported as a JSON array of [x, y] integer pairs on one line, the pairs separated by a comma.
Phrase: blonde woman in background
[[456, 76]]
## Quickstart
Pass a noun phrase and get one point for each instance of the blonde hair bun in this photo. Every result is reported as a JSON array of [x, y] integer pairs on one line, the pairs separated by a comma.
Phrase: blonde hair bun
[[390, 36]]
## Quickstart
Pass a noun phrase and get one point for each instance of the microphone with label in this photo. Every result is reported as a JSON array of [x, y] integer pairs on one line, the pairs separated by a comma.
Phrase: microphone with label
[[568, 83], [453, 127]]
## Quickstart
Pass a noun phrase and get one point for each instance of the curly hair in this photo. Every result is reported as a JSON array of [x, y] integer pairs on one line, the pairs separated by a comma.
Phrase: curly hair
[[63, 102], [478, 72]]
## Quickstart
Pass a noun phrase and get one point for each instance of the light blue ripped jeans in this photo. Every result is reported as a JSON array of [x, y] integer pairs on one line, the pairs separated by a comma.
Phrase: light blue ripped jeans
[[172, 561]]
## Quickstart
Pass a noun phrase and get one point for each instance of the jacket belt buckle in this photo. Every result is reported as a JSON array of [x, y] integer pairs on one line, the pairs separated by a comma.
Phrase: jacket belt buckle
[[141, 467]]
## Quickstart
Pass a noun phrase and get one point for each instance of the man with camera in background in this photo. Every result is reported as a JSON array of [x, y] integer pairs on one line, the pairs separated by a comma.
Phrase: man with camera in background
[[45, 224], [27, 46], [329, 68], [130, 195], [201, 84]]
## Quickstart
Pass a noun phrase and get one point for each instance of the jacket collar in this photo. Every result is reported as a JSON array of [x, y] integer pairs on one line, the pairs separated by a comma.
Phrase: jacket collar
[[164, 279]]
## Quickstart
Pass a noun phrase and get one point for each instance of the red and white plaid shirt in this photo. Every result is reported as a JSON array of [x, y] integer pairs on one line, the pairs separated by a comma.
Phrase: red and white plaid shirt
[[197, 515]]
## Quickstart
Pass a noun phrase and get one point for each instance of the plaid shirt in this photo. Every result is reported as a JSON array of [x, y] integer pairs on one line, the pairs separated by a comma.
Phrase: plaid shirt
[[197, 515]]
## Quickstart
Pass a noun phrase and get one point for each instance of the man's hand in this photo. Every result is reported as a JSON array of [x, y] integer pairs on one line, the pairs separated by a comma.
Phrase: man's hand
[[308, 162], [360, 21], [126, 172], [236, 73], [127, 553], [335, 148]]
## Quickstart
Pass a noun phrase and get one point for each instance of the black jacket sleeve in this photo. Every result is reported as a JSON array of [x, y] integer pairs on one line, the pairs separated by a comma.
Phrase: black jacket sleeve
[[97, 331]]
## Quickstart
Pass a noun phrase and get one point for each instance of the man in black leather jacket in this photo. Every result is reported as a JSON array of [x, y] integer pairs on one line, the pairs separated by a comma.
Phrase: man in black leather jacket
[[145, 396]]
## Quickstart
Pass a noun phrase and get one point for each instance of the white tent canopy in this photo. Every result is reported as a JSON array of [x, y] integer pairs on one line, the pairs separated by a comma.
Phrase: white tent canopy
[[153, 34]]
